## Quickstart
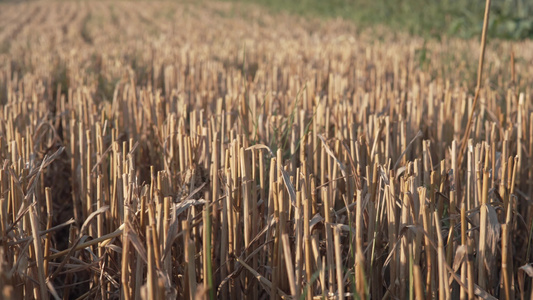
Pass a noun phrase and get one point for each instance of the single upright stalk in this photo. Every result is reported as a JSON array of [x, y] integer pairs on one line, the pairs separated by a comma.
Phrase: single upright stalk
[[479, 78], [208, 283]]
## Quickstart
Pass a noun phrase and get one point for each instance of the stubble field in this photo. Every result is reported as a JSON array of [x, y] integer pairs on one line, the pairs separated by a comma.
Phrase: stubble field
[[157, 150]]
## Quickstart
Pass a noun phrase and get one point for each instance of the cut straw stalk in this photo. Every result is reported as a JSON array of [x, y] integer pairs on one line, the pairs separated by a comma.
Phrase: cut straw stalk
[[338, 263], [289, 266], [126, 292], [483, 223], [50, 216], [38, 253], [190, 269], [206, 254], [444, 286]]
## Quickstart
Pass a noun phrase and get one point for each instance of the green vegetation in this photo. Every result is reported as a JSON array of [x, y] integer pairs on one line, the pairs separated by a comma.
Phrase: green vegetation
[[510, 19]]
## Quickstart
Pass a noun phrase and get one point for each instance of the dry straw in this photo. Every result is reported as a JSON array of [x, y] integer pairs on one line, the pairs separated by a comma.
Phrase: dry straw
[[169, 150]]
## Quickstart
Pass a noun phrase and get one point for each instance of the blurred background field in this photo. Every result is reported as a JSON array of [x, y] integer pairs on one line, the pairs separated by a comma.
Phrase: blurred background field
[[510, 19]]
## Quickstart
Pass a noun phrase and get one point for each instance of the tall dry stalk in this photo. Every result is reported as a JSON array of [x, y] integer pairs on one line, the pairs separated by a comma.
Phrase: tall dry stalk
[[478, 82]]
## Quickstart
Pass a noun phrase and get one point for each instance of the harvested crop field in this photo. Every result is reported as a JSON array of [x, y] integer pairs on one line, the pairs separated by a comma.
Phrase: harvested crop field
[[192, 150]]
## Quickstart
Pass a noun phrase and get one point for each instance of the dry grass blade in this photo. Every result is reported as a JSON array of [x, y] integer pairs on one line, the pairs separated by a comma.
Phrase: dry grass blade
[[418, 135], [262, 279], [95, 213], [100, 241]]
